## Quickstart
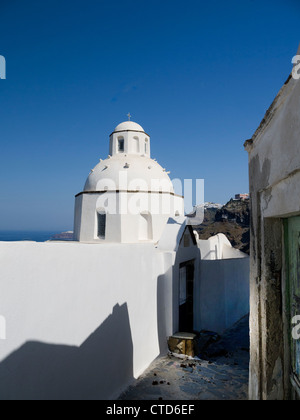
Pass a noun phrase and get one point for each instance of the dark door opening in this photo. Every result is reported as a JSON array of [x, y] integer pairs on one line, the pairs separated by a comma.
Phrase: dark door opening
[[186, 296]]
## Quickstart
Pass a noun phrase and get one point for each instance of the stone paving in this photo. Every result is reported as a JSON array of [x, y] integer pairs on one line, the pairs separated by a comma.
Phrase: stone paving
[[216, 378]]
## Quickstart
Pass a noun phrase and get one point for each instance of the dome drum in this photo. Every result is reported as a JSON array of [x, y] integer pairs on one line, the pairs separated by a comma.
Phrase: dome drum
[[128, 197]]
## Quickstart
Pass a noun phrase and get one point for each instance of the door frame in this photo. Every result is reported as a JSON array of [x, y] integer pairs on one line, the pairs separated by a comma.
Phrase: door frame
[[187, 309], [291, 242]]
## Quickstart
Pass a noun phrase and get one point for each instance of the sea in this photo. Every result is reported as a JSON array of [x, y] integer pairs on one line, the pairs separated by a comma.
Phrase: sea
[[19, 235]]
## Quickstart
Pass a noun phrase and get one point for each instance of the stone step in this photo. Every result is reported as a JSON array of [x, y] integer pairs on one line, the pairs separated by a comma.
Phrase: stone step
[[182, 343]]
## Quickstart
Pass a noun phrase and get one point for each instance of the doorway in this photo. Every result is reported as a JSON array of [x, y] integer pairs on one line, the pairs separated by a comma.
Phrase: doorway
[[186, 296]]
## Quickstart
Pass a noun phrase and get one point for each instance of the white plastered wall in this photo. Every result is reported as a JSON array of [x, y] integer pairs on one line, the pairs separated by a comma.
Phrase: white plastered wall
[[76, 311], [223, 285]]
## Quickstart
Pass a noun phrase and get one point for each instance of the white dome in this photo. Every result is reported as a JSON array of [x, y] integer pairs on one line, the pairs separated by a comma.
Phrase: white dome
[[129, 126], [142, 174]]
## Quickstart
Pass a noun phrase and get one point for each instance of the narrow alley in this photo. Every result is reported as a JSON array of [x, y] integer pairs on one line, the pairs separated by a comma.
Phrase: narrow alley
[[221, 372]]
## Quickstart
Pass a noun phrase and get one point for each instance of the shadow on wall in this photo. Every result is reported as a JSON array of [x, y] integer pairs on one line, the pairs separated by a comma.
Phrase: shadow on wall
[[224, 293], [162, 305], [99, 369]]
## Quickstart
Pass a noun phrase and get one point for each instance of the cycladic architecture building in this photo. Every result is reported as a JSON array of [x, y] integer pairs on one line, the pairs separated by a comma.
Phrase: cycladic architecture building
[[84, 318], [129, 197], [274, 165]]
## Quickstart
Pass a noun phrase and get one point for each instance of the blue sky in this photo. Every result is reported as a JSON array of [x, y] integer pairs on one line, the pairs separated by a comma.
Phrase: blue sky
[[197, 75]]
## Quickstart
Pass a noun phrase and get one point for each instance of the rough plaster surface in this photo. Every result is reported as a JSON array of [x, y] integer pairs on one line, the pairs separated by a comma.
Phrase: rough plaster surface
[[274, 171]]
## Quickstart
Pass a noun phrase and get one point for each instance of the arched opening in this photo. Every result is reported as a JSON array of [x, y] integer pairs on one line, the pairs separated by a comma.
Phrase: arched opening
[[136, 145], [101, 224], [121, 145], [146, 146], [145, 227]]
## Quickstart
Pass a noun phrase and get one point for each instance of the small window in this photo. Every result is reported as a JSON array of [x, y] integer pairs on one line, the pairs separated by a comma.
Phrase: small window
[[136, 145], [101, 224], [121, 145], [146, 146], [145, 228]]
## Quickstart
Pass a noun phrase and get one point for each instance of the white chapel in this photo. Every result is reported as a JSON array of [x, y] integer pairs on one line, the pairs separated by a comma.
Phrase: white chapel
[[86, 317], [128, 197]]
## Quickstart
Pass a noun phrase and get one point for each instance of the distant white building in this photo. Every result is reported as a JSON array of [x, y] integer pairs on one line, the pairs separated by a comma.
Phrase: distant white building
[[244, 196]]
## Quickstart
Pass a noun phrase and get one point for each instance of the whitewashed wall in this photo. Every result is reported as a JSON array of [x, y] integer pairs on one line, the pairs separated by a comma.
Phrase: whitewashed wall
[[82, 320], [222, 296], [124, 227], [218, 247], [223, 293]]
